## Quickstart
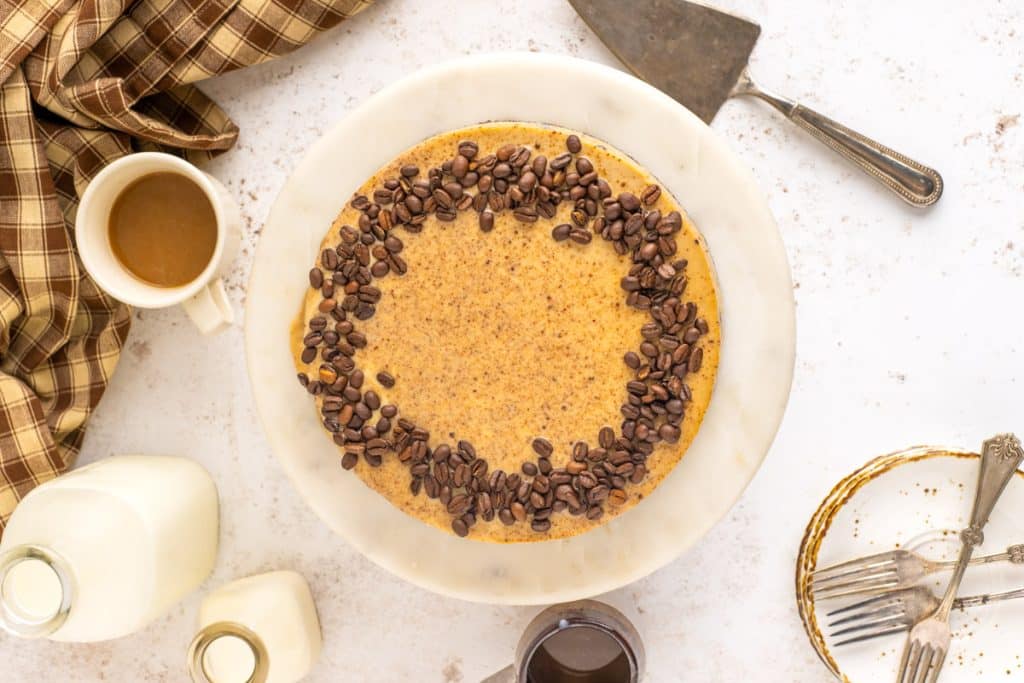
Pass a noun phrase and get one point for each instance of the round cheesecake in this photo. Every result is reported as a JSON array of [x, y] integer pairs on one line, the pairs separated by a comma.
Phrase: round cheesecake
[[511, 332]]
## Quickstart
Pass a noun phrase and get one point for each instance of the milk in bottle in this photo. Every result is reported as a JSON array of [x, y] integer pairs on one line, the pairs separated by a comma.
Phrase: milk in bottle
[[100, 552]]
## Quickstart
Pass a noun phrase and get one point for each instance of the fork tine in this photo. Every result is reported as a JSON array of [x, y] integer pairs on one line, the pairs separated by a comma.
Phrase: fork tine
[[909, 651], [940, 659], [887, 624], [891, 611], [876, 584], [875, 603], [833, 573], [859, 563], [871, 636], [924, 664]]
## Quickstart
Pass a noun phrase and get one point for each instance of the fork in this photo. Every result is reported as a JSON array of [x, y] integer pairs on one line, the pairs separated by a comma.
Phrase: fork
[[929, 639], [890, 571], [898, 610]]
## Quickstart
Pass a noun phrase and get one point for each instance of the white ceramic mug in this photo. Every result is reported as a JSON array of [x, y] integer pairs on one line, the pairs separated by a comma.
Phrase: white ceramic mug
[[204, 298]]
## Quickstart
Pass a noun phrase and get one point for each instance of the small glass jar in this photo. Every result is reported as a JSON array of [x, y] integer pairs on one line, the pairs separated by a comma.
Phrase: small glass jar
[[260, 629]]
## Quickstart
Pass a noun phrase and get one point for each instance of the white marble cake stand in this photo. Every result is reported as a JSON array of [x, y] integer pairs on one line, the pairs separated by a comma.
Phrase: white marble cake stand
[[758, 326]]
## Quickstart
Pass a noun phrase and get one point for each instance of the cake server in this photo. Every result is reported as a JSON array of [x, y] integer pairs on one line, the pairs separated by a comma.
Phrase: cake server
[[698, 55]]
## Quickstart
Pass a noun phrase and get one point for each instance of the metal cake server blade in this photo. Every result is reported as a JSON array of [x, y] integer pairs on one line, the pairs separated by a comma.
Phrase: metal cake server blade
[[698, 55]]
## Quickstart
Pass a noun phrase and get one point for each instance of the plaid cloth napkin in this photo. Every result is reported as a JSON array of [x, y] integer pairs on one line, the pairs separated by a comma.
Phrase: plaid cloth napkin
[[85, 82]]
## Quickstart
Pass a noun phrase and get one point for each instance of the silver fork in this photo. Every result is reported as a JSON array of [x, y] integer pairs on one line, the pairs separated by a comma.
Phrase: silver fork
[[890, 571], [898, 610], [928, 642]]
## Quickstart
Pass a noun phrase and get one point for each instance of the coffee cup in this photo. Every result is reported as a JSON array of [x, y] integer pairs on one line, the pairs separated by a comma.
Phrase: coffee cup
[[203, 296], [580, 642]]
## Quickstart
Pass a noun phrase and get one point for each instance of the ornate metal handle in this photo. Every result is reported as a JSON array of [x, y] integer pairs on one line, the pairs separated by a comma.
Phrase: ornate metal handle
[[1000, 457], [913, 182], [977, 600]]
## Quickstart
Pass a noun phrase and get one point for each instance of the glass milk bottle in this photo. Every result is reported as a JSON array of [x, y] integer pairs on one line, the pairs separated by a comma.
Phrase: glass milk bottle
[[260, 629], [100, 552]]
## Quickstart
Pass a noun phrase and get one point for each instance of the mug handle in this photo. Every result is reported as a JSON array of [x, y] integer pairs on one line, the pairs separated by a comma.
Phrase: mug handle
[[210, 309], [506, 675]]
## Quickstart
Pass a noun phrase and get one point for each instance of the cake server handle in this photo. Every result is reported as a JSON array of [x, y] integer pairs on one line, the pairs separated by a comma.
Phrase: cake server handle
[[911, 181]]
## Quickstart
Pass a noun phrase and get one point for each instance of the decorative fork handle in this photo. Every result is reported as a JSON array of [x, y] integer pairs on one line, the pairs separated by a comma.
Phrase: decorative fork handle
[[977, 600], [1000, 457], [910, 180], [1014, 555]]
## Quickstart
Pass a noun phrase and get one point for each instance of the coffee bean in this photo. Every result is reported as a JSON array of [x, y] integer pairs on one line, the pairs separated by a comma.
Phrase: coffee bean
[[518, 511], [525, 214], [308, 354], [505, 152], [506, 517], [647, 252], [486, 221], [633, 224], [650, 195], [629, 201], [540, 526], [316, 278], [529, 469], [539, 165], [460, 166], [630, 283], [459, 526], [696, 358], [573, 144], [559, 163], [560, 233], [349, 460], [542, 447], [580, 236], [584, 166], [459, 504], [327, 374]]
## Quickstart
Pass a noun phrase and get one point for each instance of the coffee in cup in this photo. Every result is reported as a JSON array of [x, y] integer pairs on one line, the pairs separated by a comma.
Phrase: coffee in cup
[[154, 231]]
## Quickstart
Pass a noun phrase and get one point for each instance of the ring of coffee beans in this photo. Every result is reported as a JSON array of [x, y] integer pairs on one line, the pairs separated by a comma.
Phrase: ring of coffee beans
[[508, 179]]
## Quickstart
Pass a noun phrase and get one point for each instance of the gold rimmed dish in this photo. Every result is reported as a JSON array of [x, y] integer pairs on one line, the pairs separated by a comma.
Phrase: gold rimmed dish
[[915, 499]]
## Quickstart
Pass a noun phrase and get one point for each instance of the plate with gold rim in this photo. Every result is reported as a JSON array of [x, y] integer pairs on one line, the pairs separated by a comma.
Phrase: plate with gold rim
[[917, 499], [757, 315]]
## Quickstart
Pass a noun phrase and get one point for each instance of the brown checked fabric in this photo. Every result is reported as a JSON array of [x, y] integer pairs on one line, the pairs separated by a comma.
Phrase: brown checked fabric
[[83, 83]]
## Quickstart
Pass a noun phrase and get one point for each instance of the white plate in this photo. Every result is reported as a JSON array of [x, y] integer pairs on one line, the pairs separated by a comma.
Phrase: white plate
[[919, 499], [716, 190]]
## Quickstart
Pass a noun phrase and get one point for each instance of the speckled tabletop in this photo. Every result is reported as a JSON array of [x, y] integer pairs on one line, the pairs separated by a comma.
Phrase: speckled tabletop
[[904, 332]]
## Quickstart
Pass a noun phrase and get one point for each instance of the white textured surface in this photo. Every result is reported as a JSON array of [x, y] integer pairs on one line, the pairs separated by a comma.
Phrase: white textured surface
[[907, 331], [756, 302]]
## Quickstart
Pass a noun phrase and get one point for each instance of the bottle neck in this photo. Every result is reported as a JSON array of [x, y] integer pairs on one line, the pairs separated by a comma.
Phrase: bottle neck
[[215, 651], [37, 591]]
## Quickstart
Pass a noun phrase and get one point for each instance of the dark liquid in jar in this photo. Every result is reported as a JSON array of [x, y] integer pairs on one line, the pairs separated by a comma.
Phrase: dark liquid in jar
[[579, 654], [163, 229]]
